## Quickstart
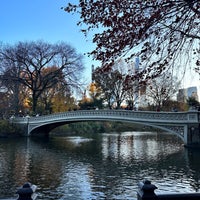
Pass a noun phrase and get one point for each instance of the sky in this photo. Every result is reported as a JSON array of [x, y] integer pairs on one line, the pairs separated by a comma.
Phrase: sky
[[32, 20]]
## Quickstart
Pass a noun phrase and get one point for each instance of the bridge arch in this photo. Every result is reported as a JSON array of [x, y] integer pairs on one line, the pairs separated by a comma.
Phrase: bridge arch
[[46, 128]]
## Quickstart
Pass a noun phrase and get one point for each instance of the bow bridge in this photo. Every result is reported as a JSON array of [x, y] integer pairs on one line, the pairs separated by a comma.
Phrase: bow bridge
[[183, 124]]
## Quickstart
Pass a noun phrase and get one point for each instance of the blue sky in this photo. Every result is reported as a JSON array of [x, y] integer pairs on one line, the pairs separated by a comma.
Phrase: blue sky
[[28, 20]]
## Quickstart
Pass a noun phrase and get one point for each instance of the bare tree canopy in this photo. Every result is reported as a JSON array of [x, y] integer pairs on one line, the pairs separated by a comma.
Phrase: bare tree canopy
[[162, 89], [26, 64], [161, 32], [116, 84]]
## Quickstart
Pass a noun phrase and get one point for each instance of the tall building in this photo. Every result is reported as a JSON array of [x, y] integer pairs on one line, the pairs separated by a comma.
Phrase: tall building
[[92, 73], [184, 94]]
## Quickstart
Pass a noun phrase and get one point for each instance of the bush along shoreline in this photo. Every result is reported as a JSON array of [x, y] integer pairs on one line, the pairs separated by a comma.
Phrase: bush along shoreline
[[9, 130], [98, 127]]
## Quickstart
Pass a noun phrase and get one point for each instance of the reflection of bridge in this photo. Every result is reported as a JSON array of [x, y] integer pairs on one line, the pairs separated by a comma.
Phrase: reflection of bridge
[[184, 124]]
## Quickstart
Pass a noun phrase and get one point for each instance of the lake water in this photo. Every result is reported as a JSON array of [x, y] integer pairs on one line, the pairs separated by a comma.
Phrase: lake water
[[105, 166]]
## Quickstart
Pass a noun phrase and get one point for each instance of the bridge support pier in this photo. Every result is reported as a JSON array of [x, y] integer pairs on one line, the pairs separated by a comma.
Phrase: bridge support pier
[[193, 136]]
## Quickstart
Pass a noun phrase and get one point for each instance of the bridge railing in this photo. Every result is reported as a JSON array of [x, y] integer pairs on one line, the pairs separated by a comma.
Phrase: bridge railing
[[146, 192]]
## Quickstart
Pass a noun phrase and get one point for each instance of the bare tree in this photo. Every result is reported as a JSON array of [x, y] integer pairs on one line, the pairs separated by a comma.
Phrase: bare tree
[[10, 78], [161, 89], [30, 59], [108, 83], [116, 83]]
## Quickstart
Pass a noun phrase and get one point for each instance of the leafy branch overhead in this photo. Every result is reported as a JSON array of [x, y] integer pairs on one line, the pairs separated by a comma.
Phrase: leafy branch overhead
[[162, 33]]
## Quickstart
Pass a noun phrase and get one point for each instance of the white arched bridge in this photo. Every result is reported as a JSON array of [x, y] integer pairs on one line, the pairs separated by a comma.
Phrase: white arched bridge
[[183, 124]]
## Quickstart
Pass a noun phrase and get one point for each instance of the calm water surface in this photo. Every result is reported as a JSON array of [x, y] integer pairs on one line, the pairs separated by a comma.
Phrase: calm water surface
[[108, 166]]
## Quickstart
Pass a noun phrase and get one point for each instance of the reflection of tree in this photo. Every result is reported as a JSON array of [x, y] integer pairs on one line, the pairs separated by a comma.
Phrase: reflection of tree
[[193, 164], [109, 166], [121, 166], [127, 158], [28, 162]]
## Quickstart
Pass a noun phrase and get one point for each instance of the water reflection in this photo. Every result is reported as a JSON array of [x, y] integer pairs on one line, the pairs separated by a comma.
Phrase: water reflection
[[107, 166]]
